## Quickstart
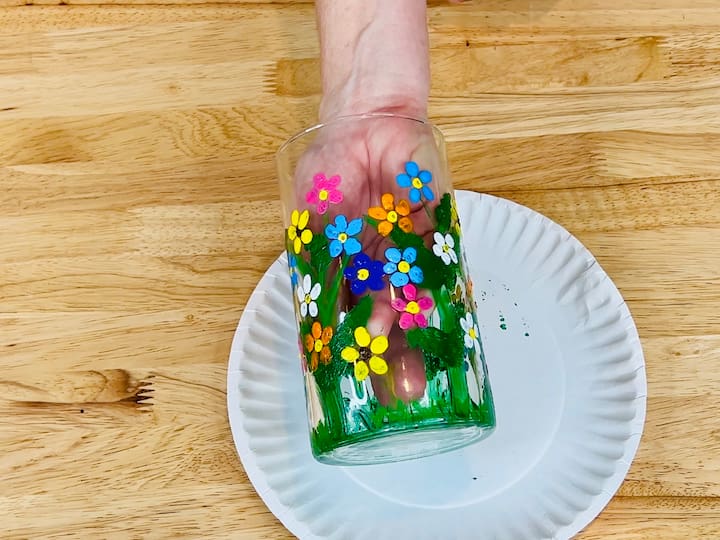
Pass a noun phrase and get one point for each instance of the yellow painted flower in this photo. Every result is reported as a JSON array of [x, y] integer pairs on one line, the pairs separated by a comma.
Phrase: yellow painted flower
[[316, 343], [297, 232], [366, 354], [390, 214], [454, 217]]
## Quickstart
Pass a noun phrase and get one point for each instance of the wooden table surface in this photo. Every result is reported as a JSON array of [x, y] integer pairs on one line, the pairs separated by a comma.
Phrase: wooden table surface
[[140, 208]]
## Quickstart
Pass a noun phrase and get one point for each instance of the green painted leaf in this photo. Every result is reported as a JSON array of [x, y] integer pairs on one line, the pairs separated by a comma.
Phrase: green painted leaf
[[303, 267], [357, 316], [327, 375], [432, 367], [319, 253], [444, 349], [403, 240], [443, 213], [432, 267], [460, 309]]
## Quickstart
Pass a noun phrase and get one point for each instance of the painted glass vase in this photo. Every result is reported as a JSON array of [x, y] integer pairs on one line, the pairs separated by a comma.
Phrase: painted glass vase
[[387, 332]]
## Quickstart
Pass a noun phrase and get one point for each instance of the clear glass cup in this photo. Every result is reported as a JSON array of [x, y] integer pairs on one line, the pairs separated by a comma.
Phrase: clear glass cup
[[388, 336]]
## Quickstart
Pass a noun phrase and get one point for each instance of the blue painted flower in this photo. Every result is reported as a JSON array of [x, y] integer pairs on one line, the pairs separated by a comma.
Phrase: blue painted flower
[[364, 274], [417, 181], [400, 266], [341, 236], [292, 268]]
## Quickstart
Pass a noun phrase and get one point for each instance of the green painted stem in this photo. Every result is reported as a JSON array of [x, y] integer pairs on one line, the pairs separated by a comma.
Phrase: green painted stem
[[329, 313], [302, 265], [457, 380], [427, 211], [443, 302], [371, 221], [459, 395], [334, 412]]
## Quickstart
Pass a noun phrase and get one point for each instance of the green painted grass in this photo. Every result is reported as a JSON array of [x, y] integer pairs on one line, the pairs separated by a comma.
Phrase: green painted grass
[[449, 404]]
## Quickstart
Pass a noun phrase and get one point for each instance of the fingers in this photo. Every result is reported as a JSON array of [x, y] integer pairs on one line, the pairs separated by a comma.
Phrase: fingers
[[383, 315], [331, 175], [405, 378], [407, 368]]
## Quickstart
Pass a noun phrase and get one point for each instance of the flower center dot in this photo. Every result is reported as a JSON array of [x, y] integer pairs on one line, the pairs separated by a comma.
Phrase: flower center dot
[[342, 237], [446, 248], [318, 345], [472, 333], [365, 353], [413, 308], [392, 216], [404, 267], [363, 274], [417, 183], [308, 299], [323, 195]]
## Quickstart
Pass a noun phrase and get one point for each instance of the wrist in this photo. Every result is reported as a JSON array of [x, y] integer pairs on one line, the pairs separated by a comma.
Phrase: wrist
[[345, 102], [376, 60]]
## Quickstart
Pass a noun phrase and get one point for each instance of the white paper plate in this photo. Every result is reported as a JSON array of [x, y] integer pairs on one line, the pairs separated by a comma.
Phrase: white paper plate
[[568, 377]]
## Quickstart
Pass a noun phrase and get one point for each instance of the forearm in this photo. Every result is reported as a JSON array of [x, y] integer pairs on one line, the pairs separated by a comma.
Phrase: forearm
[[374, 57]]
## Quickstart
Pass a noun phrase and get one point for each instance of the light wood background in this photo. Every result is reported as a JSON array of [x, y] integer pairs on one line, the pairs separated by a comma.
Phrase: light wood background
[[139, 208]]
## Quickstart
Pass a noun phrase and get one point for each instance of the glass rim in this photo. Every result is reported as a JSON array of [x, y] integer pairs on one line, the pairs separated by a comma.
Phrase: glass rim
[[360, 116]]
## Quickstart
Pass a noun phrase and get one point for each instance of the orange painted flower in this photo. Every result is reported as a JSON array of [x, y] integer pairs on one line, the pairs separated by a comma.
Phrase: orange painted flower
[[316, 343], [390, 215]]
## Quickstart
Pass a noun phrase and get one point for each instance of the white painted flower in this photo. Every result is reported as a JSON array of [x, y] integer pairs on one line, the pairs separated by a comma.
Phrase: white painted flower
[[307, 294], [445, 248], [472, 333]]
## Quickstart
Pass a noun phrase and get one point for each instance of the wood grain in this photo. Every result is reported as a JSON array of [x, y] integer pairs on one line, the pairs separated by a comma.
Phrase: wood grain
[[139, 209]]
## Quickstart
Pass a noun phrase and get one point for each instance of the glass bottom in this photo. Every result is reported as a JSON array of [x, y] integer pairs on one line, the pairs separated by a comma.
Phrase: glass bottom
[[406, 444]]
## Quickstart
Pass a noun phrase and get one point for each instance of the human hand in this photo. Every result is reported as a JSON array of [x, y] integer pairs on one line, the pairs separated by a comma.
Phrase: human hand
[[363, 180]]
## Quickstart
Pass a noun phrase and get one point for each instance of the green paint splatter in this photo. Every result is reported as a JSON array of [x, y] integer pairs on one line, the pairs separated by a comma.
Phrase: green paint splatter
[[503, 326]]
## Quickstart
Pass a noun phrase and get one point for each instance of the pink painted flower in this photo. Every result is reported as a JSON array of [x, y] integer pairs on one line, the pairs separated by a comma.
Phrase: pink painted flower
[[324, 192], [411, 308]]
